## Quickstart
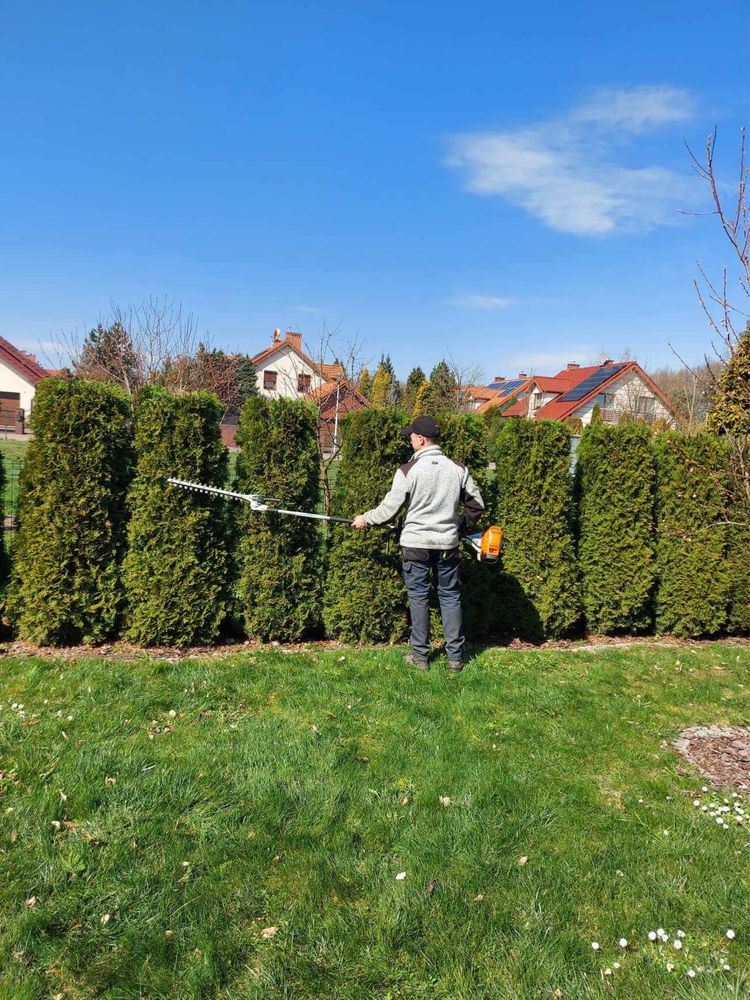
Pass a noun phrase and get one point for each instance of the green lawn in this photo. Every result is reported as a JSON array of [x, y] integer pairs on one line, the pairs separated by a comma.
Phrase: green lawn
[[157, 817]]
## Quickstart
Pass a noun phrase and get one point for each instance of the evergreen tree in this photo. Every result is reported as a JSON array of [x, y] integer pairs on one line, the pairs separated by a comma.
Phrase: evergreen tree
[[731, 410], [695, 575], [393, 396], [279, 557], [616, 489], [364, 383], [364, 596], [66, 585], [381, 387], [423, 402], [444, 387], [176, 572], [535, 511], [247, 379], [412, 387]]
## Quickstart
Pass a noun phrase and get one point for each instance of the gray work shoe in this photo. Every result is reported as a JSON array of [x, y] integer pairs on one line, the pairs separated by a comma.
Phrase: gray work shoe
[[414, 661], [456, 666]]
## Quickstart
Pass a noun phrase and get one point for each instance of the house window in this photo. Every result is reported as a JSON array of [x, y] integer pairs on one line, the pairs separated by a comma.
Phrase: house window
[[303, 383], [645, 406], [536, 400], [269, 380]]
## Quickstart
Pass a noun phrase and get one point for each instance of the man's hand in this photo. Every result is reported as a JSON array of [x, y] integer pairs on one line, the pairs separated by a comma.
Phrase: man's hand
[[359, 522]]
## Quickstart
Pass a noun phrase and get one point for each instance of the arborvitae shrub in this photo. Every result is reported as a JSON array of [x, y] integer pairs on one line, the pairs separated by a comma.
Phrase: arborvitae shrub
[[66, 585], [176, 569], [616, 491], [364, 597], [464, 438], [535, 508], [692, 541], [279, 557], [739, 569]]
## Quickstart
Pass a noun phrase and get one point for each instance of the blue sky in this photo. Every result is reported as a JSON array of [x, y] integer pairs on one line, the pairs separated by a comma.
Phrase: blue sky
[[500, 183]]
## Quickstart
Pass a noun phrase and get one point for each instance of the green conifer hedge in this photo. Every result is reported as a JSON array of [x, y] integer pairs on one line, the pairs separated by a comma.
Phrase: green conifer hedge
[[464, 438], [176, 569], [616, 492], [364, 598], [66, 585], [695, 573], [535, 511], [279, 557]]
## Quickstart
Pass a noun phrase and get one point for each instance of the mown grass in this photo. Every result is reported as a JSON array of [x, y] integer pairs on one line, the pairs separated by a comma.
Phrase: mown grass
[[142, 854]]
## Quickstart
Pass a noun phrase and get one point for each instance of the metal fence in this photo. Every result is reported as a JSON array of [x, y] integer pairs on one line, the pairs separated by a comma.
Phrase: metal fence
[[13, 468]]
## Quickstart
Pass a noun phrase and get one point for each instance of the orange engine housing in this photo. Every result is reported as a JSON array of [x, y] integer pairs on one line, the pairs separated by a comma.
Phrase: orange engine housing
[[491, 544]]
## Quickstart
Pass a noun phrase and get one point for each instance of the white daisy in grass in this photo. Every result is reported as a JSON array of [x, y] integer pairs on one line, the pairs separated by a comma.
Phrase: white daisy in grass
[[623, 942], [677, 944], [730, 934], [595, 945], [652, 935]]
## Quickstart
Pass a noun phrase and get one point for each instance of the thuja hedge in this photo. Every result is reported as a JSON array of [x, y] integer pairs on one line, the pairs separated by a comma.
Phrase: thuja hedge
[[279, 557], [66, 585], [177, 566], [694, 554], [483, 586], [364, 596], [616, 490], [535, 510]]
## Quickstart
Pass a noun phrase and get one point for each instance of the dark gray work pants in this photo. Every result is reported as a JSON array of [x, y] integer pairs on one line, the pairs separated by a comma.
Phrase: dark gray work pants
[[419, 566]]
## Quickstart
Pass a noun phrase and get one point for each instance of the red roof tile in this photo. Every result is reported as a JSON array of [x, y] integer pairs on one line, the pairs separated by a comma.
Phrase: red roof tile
[[22, 362]]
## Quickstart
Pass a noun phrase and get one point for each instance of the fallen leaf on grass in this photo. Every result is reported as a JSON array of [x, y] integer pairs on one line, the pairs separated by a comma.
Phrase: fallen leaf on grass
[[401, 876], [404, 800], [269, 932], [445, 800], [431, 886], [31, 902], [479, 897], [523, 859]]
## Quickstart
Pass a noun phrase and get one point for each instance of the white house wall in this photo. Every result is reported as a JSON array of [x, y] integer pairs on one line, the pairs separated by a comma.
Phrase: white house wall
[[11, 381], [287, 365], [625, 392]]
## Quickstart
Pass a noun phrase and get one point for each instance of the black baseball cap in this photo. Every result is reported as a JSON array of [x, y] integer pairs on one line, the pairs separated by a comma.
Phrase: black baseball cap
[[426, 426]]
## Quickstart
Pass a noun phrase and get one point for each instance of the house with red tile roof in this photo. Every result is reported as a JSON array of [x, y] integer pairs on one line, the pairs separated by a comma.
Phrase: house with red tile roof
[[285, 370], [502, 392], [20, 373], [620, 390]]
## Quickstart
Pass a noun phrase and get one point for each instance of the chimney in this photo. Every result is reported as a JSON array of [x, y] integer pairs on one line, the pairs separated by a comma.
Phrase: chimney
[[276, 335], [522, 375], [608, 361], [573, 364], [295, 339], [498, 378]]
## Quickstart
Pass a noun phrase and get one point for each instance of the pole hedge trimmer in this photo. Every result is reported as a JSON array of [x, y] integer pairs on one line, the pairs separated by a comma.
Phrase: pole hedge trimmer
[[486, 544]]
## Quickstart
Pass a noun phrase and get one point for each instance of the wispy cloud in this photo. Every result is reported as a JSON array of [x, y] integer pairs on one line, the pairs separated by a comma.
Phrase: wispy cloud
[[565, 172], [485, 302], [307, 309]]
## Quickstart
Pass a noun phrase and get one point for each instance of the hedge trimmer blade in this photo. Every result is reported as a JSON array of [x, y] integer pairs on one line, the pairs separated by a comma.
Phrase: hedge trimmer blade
[[257, 502]]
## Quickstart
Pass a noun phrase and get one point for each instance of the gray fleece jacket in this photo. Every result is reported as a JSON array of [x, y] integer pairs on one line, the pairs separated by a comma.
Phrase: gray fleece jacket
[[431, 487]]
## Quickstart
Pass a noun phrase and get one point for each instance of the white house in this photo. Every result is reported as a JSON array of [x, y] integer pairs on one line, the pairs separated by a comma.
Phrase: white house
[[619, 389], [20, 373], [283, 369]]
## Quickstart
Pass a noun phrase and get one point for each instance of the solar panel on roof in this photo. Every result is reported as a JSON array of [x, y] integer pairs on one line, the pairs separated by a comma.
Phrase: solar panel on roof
[[507, 386], [590, 383]]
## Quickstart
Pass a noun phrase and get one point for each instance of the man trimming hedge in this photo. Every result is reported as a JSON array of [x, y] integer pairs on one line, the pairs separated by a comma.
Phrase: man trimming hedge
[[431, 488]]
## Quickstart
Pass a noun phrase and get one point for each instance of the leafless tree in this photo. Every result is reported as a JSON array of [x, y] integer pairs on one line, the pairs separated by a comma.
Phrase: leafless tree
[[725, 303], [138, 345], [465, 376]]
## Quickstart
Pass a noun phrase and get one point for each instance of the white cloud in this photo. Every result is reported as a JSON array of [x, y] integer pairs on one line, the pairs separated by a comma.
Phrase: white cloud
[[307, 309], [485, 302], [564, 172]]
